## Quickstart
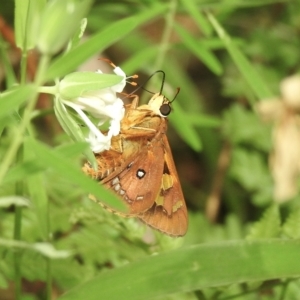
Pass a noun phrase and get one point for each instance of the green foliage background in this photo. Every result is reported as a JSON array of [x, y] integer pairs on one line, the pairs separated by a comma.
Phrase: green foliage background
[[225, 56]]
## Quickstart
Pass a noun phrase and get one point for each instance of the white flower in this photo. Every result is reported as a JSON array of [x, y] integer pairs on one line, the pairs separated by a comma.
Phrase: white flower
[[120, 86], [98, 141], [103, 105]]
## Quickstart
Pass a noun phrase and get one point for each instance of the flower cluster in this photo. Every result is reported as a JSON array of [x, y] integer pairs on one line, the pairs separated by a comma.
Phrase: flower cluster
[[103, 105]]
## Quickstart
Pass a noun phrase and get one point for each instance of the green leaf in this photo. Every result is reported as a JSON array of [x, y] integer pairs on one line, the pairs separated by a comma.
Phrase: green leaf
[[60, 20], [194, 268], [3, 282], [202, 120], [95, 44], [48, 250], [249, 169], [71, 127], [23, 170], [242, 126], [77, 35], [67, 122], [32, 166], [252, 77], [146, 55], [12, 99], [72, 149], [38, 195], [99, 41], [75, 84], [268, 226], [184, 128], [14, 200], [8, 68], [27, 22], [199, 49], [292, 225], [195, 13], [45, 249], [53, 160]]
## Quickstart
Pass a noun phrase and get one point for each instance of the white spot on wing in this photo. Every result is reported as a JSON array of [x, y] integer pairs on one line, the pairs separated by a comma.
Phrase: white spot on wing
[[115, 181]]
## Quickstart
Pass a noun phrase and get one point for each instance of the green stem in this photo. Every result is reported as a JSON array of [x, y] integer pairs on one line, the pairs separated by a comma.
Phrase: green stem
[[48, 279], [13, 151], [164, 44], [23, 67], [10, 77], [284, 289], [18, 233], [48, 89], [18, 138], [48, 260], [17, 256]]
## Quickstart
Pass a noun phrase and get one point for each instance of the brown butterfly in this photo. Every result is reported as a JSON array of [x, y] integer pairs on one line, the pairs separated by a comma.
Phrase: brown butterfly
[[140, 169]]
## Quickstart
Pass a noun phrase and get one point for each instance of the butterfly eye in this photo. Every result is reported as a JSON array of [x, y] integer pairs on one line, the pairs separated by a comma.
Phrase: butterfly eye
[[165, 109]]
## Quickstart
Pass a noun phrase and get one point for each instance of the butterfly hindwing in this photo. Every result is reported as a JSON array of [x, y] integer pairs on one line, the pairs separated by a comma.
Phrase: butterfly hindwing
[[168, 214]]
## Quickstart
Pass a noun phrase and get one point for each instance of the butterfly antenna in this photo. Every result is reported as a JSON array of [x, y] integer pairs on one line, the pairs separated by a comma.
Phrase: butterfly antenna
[[163, 80], [142, 86], [177, 92]]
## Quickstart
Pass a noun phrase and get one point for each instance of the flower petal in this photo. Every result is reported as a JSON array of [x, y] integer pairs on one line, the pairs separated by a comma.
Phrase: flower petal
[[99, 142], [104, 105]]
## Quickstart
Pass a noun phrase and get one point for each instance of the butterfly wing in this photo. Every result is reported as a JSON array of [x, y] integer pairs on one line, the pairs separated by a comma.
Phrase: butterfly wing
[[168, 213], [133, 167], [139, 179]]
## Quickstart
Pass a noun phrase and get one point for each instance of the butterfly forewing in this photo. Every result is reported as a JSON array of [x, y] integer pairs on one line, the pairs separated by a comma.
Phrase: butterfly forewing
[[138, 182]]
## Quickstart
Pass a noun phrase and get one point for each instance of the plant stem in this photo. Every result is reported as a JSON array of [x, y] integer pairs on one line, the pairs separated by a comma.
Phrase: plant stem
[[18, 233], [48, 89], [10, 77], [15, 150], [284, 289], [23, 67], [18, 138], [19, 191], [48, 260], [165, 40], [48, 279], [17, 256]]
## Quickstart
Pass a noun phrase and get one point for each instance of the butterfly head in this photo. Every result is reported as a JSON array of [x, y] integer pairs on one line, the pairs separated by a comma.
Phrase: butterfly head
[[160, 105]]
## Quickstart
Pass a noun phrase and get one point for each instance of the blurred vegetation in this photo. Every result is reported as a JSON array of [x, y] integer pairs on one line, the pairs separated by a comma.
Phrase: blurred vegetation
[[226, 57]]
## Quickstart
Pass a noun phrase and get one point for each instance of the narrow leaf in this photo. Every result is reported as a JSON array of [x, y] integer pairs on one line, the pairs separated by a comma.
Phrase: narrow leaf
[[55, 161], [12, 99], [27, 19], [13, 200], [71, 127], [252, 77], [194, 268], [193, 9], [38, 195], [199, 49], [268, 226], [45, 249], [32, 166], [292, 225], [185, 128], [59, 22], [75, 84], [100, 41]]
